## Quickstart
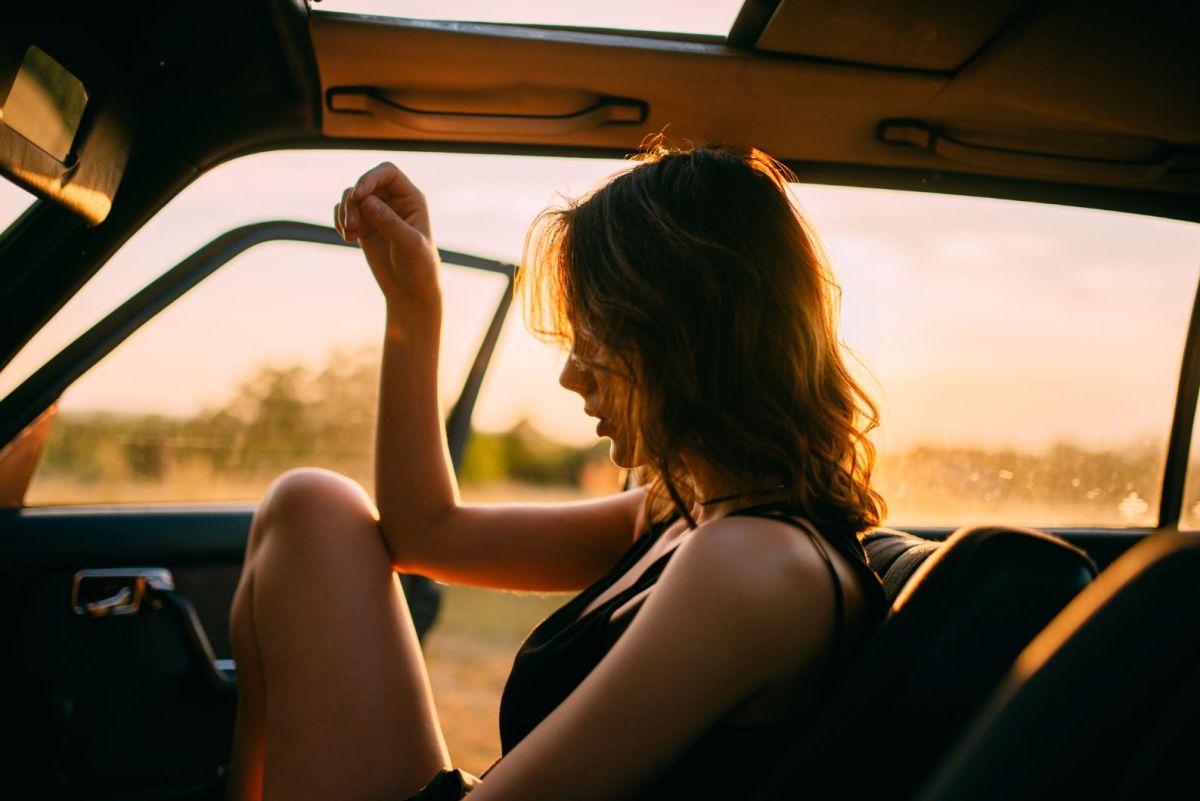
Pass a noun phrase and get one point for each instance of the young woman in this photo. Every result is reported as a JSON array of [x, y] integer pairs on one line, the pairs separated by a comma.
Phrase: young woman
[[719, 600]]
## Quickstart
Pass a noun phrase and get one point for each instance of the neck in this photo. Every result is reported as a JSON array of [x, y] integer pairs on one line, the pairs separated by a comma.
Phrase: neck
[[719, 494]]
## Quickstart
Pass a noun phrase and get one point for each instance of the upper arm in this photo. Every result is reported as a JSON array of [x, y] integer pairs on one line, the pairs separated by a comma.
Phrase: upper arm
[[543, 547], [731, 614]]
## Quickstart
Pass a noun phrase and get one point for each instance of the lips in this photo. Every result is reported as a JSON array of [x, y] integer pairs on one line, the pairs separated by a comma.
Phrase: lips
[[602, 427]]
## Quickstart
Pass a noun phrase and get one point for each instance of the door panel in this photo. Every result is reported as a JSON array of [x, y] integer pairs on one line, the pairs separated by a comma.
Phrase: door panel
[[118, 702]]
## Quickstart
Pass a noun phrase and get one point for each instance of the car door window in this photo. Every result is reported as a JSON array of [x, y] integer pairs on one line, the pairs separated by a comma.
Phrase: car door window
[[290, 324], [1025, 356], [13, 202], [271, 363]]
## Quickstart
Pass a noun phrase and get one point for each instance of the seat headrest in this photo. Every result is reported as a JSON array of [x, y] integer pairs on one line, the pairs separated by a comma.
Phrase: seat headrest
[[972, 559], [895, 556]]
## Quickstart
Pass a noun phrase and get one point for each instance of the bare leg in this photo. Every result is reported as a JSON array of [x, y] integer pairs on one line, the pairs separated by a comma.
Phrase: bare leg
[[334, 700]]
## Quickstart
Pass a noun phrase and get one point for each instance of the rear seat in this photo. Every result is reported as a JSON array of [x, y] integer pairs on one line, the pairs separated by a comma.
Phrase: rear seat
[[961, 613]]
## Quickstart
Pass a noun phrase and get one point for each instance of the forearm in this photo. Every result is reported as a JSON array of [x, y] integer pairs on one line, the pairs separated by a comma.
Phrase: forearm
[[414, 483]]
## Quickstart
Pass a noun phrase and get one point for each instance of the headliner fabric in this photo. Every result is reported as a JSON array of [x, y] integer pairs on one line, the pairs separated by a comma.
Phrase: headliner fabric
[[1081, 82]]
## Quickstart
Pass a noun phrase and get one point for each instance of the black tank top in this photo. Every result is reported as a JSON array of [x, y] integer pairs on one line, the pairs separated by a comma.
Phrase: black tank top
[[560, 652]]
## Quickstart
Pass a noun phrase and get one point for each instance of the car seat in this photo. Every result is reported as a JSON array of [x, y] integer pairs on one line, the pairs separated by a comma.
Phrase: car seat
[[954, 629], [1103, 704]]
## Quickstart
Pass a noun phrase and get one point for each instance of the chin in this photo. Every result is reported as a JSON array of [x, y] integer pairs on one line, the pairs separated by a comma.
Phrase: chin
[[619, 455]]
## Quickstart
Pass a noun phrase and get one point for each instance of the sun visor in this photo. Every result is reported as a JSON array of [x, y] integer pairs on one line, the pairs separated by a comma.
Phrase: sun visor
[[58, 136]]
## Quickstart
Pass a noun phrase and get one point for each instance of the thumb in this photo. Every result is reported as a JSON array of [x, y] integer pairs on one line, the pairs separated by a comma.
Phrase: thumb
[[402, 236]]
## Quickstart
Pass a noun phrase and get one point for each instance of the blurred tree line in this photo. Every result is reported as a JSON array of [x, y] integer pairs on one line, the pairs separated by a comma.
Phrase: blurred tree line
[[284, 417]]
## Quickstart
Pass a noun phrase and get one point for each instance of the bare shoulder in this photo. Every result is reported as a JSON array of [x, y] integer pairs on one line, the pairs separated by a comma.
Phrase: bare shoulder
[[756, 556], [765, 580]]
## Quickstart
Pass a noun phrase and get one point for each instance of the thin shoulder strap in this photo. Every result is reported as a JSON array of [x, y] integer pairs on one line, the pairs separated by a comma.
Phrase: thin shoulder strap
[[839, 602]]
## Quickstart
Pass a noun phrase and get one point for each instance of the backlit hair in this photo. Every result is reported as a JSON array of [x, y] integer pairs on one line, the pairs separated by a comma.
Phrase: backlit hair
[[695, 271]]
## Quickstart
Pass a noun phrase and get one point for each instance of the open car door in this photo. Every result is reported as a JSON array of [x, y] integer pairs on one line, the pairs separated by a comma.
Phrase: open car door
[[117, 668]]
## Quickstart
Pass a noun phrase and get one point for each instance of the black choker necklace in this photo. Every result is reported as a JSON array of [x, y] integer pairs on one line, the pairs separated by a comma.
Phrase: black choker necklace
[[747, 494]]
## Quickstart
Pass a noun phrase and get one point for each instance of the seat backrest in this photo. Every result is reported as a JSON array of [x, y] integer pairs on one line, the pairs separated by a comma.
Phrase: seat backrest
[[1105, 702], [952, 633]]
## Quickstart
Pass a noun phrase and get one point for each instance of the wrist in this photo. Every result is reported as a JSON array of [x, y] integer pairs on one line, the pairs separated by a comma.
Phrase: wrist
[[408, 320]]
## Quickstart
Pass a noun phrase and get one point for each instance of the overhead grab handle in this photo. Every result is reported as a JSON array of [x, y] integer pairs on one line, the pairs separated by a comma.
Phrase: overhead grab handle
[[605, 111], [930, 138]]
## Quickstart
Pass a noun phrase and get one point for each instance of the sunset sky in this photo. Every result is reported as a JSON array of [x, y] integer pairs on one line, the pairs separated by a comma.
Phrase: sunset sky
[[980, 321]]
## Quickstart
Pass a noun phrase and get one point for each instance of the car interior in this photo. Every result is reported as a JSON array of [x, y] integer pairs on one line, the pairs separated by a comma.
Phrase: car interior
[[1040, 660]]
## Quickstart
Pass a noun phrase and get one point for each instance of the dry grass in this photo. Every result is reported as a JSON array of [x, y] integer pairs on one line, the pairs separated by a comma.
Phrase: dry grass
[[469, 653]]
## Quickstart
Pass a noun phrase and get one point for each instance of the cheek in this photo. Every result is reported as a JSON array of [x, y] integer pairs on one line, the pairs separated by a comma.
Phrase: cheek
[[617, 393]]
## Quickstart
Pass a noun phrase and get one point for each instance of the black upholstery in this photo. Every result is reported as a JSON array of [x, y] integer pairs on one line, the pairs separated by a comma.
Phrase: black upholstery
[[895, 557], [953, 632], [1105, 703]]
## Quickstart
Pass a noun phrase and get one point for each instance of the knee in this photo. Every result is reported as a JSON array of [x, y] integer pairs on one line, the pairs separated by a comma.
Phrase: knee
[[313, 502]]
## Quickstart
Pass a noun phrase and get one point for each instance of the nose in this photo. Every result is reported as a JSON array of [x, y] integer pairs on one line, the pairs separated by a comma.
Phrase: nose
[[575, 376]]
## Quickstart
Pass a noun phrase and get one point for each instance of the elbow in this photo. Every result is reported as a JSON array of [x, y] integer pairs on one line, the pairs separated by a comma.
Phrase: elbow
[[397, 545], [409, 537]]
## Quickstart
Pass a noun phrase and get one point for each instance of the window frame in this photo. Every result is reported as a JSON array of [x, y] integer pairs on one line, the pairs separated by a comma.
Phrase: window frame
[[24, 411], [1170, 505]]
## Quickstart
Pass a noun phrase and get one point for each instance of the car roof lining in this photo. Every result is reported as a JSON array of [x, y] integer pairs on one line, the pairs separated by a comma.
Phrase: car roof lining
[[1015, 87]]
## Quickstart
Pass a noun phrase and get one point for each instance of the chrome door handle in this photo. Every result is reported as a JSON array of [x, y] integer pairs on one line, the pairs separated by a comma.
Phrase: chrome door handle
[[119, 604], [131, 583]]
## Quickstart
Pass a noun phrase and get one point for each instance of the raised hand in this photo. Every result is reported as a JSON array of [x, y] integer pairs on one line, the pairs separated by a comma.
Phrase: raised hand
[[386, 214]]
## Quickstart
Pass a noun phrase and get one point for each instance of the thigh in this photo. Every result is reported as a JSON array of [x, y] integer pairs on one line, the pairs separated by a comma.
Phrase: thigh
[[348, 709]]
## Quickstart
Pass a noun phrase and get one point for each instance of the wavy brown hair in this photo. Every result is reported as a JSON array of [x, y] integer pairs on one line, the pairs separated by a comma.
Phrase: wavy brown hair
[[695, 270]]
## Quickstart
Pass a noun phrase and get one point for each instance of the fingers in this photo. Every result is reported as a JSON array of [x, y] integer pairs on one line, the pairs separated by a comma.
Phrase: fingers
[[388, 182], [401, 206], [347, 218], [404, 237], [346, 221]]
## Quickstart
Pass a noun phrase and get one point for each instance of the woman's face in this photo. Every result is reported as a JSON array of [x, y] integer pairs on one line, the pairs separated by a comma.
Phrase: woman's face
[[592, 373]]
